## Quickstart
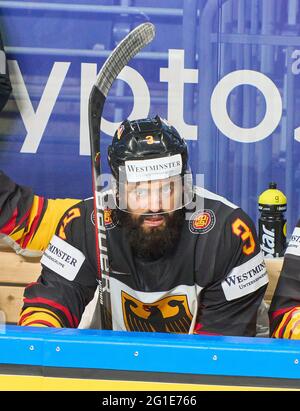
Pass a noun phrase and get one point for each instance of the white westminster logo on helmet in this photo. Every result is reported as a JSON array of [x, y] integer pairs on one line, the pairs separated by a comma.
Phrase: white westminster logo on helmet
[[153, 169]]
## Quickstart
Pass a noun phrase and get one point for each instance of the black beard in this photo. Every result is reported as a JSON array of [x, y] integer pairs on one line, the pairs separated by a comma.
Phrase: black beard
[[156, 242]]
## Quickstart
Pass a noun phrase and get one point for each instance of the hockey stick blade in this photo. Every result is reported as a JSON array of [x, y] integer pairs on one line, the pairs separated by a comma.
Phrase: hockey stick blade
[[118, 59], [125, 51]]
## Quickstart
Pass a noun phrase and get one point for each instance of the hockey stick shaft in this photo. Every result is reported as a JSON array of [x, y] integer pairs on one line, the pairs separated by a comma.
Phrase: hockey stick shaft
[[120, 56]]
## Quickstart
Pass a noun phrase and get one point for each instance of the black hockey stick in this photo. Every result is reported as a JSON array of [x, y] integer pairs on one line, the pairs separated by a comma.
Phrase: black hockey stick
[[120, 56]]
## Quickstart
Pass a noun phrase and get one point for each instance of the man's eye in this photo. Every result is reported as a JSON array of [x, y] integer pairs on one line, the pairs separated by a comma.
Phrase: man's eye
[[141, 192]]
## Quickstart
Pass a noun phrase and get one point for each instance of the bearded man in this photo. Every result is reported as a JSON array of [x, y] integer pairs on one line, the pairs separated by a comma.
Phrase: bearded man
[[181, 259]]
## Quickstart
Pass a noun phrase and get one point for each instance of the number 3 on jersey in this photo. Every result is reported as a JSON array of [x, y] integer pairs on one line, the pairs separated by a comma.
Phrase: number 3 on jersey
[[74, 213], [240, 229]]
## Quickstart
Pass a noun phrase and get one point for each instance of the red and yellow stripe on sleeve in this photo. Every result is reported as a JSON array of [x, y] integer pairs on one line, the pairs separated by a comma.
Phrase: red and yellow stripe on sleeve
[[35, 233], [40, 304], [289, 326], [39, 317]]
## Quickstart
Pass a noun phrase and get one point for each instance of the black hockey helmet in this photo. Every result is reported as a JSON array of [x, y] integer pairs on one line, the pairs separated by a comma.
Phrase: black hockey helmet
[[143, 139]]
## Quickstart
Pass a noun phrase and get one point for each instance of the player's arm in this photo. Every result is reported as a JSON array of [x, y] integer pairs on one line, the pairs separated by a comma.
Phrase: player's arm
[[28, 221], [284, 311], [5, 86], [229, 305], [68, 280]]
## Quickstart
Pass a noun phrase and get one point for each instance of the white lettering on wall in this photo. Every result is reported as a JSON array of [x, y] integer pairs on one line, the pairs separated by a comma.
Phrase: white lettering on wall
[[141, 101], [177, 76], [36, 122], [218, 106]]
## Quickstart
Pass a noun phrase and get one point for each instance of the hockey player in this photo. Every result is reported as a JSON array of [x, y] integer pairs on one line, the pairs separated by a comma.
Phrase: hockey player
[[174, 267], [5, 86], [284, 311]]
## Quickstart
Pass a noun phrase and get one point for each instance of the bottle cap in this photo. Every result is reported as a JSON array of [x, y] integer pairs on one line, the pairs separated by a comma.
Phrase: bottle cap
[[272, 199]]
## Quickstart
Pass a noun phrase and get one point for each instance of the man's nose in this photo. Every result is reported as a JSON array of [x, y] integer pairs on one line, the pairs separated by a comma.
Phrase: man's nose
[[155, 201]]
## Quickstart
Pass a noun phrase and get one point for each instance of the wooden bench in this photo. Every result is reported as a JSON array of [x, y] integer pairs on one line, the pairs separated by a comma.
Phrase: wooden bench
[[16, 272]]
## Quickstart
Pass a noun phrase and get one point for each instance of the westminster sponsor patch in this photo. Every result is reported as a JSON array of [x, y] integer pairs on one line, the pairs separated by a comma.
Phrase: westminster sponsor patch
[[153, 169], [294, 243], [246, 278], [63, 258], [201, 222]]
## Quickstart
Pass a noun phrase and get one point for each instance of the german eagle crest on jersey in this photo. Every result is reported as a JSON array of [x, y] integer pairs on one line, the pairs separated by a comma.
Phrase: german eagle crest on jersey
[[170, 314]]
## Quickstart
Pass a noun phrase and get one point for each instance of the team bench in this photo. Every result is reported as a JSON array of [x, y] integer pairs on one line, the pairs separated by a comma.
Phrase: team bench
[[16, 272]]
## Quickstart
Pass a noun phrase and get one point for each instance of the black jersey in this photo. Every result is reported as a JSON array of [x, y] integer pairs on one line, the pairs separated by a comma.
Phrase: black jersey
[[285, 306], [212, 282], [5, 86]]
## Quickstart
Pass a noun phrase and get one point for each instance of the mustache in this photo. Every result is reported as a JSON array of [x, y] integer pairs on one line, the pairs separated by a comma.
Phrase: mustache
[[150, 215]]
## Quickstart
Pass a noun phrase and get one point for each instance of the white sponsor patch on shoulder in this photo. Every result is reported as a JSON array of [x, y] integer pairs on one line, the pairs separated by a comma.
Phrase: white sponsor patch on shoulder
[[294, 243], [246, 278], [63, 258], [153, 169]]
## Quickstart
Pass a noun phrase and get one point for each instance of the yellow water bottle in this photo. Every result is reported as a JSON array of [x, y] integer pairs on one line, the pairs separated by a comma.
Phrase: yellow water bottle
[[272, 224]]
